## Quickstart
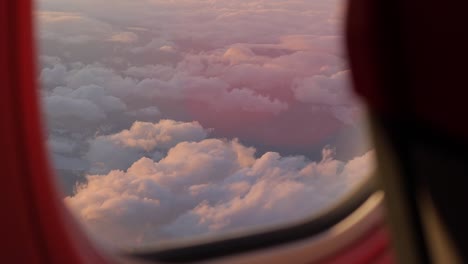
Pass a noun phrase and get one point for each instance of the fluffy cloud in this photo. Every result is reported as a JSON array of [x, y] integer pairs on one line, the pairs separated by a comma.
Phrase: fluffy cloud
[[85, 104], [210, 186], [327, 91], [271, 73], [215, 23], [153, 46], [160, 72], [164, 134], [161, 82], [54, 75], [120, 150], [213, 92], [124, 37], [205, 64], [71, 28], [323, 90]]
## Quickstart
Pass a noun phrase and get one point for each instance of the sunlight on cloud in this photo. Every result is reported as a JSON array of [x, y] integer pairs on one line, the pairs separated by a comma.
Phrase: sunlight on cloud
[[172, 119], [206, 186]]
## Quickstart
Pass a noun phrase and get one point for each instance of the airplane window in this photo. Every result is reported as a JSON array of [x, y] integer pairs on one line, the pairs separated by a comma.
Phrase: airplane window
[[174, 120]]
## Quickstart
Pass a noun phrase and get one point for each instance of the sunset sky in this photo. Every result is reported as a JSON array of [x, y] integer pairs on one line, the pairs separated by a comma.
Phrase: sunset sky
[[177, 118]]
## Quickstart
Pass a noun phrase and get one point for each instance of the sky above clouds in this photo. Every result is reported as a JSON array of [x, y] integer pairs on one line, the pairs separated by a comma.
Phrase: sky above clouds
[[172, 119]]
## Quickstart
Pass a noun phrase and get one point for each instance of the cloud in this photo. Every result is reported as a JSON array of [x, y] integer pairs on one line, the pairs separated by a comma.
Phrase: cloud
[[214, 23], [208, 186], [253, 70], [71, 28], [61, 145], [160, 72], [120, 150], [80, 109], [77, 28], [323, 90], [164, 134], [203, 63], [213, 92], [327, 91], [85, 104], [145, 113], [54, 75], [129, 95], [124, 37], [155, 45]]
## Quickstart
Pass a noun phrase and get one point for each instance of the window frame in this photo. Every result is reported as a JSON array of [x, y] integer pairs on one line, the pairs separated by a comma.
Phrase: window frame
[[55, 236]]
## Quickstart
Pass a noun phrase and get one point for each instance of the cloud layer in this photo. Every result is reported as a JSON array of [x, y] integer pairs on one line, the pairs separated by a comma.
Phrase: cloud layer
[[207, 186], [119, 151], [147, 103]]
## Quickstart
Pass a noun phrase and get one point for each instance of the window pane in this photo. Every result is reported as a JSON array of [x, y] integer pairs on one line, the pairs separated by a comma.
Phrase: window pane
[[181, 119]]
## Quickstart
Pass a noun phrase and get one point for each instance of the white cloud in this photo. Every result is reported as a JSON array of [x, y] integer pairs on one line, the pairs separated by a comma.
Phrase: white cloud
[[164, 134], [145, 113], [328, 91], [61, 109], [213, 92], [77, 28], [120, 150], [218, 67], [71, 28], [323, 90], [53, 76], [154, 45], [84, 104], [210, 186], [61, 145], [124, 37], [269, 72], [160, 72]]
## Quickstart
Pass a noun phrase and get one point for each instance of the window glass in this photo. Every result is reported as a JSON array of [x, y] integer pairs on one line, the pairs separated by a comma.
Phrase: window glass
[[169, 120]]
